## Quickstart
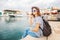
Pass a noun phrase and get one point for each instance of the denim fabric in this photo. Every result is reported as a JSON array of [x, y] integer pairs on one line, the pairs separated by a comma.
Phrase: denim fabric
[[28, 32]]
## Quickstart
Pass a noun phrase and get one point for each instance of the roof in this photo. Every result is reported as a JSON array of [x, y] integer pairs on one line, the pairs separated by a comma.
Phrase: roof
[[12, 10]]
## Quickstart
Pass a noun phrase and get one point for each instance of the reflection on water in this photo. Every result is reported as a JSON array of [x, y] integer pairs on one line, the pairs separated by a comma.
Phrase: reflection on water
[[12, 28], [10, 19]]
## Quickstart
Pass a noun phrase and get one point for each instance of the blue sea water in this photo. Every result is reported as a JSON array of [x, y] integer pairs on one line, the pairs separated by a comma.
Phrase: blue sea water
[[12, 28]]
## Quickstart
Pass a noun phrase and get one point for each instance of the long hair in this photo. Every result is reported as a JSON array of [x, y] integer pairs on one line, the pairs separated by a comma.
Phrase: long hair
[[38, 11]]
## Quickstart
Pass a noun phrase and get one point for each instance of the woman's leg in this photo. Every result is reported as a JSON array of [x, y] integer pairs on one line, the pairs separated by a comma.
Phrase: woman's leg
[[28, 32], [32, 34], [25, 33]]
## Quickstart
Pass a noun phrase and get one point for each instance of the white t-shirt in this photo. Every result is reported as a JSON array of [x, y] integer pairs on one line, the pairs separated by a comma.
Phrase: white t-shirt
[[38, 20]]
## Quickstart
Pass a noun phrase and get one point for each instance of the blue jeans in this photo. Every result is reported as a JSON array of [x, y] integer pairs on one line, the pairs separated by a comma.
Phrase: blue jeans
[[28, 32]]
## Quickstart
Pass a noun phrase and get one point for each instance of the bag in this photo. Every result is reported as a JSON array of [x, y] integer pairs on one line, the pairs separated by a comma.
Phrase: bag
[[46, 29]]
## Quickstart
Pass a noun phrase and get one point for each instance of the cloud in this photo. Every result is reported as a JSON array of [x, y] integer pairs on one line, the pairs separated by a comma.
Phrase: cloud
[[27, 4], [43, 3]]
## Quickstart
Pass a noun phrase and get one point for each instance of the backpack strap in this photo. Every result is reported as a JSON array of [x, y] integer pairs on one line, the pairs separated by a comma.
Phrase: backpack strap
[[41, 28]]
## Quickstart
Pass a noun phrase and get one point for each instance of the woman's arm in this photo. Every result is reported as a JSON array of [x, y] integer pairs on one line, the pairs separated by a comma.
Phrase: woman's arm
[[30, 20], [36, 27]]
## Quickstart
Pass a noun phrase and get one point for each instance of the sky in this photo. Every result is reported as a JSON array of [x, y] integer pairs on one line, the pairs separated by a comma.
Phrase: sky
[[26, 5]]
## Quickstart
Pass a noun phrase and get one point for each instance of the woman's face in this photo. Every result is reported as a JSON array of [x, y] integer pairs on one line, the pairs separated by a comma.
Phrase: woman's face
[[34, 11]]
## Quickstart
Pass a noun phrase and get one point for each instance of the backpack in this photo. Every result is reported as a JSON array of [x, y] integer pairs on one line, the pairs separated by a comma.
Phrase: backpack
[[46, 29]]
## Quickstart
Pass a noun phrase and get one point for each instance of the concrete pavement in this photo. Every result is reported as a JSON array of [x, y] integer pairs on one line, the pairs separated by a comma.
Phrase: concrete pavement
[[55, 25]]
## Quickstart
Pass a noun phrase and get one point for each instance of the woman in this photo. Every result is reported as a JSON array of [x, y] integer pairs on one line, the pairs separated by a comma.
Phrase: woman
[[36, 23]]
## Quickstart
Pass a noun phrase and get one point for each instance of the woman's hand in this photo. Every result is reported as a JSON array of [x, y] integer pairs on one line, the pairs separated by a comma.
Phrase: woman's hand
[[30, 16]]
